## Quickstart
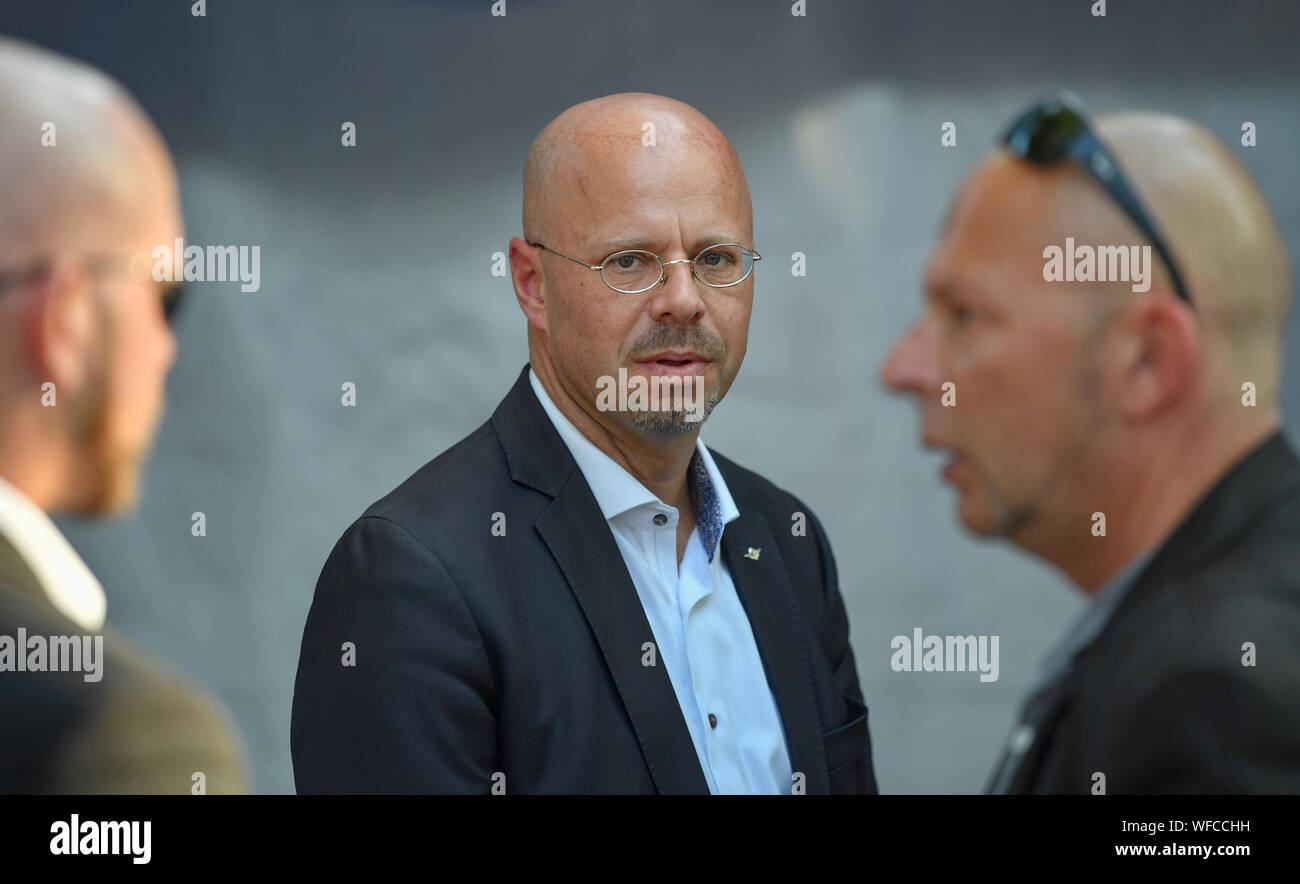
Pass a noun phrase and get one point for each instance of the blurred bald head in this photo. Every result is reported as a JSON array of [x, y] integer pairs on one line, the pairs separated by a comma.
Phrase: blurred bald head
[[108, 167], [1216, 223], [90, 191], [1079, 397]]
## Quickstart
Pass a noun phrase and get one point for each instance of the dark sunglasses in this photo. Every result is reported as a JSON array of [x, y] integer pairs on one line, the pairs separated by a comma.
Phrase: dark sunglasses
[[1055, 129], [172, 295]]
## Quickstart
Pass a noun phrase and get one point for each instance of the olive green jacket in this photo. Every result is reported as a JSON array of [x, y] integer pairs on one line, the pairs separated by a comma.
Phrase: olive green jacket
[[135, 730]]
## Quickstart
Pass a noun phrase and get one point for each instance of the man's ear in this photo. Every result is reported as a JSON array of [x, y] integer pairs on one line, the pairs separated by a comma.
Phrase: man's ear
[[58, 324], [1161, 355], [526, 274]]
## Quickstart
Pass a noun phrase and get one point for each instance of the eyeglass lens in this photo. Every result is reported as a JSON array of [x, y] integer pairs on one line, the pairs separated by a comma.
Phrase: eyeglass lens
[[637, 271]]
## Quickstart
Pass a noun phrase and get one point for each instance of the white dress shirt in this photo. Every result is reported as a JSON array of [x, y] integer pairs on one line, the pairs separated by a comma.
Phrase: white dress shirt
[[66, 579], [701, 630]]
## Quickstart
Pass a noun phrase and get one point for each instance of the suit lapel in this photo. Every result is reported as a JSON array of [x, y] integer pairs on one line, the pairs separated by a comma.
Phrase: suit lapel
[[576, 533], [584, 548], [765, 591], [1029, 742]]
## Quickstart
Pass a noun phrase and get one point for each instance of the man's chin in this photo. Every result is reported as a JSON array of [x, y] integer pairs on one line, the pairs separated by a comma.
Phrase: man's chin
[[665, 423], [675, 422], [117, 490], [983, 516], [977, 520], [121, 500]]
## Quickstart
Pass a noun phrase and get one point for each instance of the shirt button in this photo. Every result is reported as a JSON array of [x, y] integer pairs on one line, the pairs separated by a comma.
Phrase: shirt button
[[713, 720], [661, 519]]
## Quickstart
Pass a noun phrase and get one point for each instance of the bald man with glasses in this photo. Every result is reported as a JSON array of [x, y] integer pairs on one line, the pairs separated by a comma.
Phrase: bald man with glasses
[[579, 598], [84, 352]]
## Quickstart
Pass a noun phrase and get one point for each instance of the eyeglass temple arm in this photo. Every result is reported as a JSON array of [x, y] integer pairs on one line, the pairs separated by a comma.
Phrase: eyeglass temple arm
[[1090, 151], [538, 245]]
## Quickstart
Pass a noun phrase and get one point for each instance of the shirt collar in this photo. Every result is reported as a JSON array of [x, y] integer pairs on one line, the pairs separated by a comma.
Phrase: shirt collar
[[65, 578], [617, 491], [1095, 616]]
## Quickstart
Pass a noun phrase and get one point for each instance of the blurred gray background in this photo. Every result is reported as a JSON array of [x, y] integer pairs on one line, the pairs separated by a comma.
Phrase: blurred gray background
[[376, 269]]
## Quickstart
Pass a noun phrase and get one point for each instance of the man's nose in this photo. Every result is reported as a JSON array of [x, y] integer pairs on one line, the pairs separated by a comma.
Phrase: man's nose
[[680, 296], [912, 366]]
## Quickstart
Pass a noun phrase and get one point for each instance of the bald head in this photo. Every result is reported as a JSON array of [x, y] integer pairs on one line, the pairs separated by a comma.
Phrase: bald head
[[83, 165], [610, 140], [1216, 223], [90, 191]]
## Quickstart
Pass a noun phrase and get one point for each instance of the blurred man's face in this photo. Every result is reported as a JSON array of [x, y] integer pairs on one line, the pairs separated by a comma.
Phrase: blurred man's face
[[123, 402], [1014, 346], [673, 201]]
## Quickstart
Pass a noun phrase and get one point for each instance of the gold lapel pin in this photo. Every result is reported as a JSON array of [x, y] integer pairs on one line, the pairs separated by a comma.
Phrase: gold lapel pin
[[752, 553]]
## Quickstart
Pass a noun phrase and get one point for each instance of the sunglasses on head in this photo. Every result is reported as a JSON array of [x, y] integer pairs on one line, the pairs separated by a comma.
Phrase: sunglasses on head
[[1054, 130]]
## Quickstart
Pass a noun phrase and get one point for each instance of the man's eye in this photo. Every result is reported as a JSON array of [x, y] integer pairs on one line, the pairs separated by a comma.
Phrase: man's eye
[[963, 314]]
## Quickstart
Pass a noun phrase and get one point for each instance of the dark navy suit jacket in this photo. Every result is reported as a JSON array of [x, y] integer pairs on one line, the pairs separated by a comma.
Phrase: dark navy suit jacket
[[517, 659]]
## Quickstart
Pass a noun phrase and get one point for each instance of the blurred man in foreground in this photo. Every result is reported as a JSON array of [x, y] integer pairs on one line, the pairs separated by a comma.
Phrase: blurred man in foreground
[[84, 350], [1127, 431]]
